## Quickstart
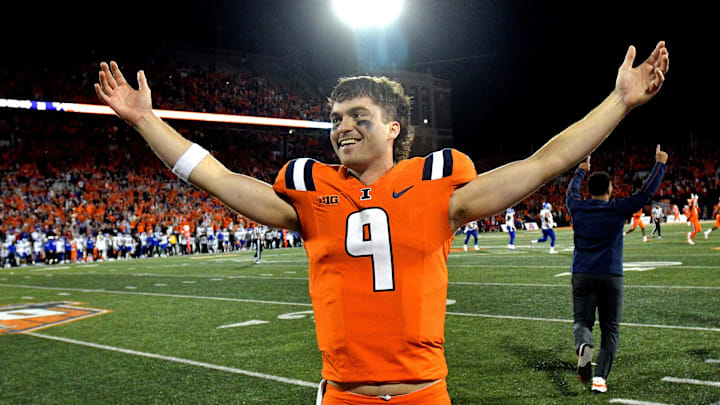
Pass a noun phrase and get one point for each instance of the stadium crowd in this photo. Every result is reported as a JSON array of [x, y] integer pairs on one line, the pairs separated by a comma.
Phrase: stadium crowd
[[176, 86], [694, 171], [91, 186], [72, 179]]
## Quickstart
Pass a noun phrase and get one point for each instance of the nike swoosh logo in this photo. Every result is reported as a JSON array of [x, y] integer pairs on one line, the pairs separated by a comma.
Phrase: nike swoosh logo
[[397, 195]]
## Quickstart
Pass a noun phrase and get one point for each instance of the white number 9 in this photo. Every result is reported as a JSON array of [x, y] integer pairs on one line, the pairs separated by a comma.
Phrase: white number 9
[[368, 234]]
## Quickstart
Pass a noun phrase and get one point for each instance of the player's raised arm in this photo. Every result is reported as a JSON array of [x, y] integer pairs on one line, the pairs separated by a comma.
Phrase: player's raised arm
[[250, 197], [498, 189]]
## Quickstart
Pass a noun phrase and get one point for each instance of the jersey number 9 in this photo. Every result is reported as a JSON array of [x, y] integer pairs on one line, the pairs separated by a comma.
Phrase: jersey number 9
[[368, 234]]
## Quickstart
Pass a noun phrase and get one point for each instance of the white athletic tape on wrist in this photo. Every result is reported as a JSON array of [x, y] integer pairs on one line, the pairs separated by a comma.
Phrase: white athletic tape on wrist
[[189, 160]]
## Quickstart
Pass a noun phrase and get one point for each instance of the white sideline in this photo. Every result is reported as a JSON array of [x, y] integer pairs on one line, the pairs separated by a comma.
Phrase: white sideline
[[529, 318], [526, 318], [663, 287], [179, 360], [633, 402], [157, 295], [712, 361], [567, 285], [691, 381], [52, 268]]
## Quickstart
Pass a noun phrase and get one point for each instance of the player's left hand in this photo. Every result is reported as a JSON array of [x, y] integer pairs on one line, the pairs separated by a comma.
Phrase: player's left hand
[[660, 156], [637, 85], [585, 165]]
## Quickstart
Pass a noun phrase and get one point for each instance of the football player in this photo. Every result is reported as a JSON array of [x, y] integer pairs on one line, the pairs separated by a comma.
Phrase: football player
[[378, 296], [547, 223]]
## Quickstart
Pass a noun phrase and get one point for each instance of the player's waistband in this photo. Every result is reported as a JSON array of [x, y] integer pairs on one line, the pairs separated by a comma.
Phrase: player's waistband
[[381, 390]]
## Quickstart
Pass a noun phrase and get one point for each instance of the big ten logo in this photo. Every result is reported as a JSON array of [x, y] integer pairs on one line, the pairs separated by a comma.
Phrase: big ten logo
[[328, 200]]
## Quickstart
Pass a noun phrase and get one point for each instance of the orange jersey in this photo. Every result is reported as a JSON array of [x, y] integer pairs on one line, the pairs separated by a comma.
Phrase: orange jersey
[[693, 217], [637, 215], [378, 272]]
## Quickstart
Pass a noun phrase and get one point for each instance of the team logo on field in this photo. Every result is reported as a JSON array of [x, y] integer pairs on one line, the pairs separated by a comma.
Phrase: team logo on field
[[328, 200], [32, 317]]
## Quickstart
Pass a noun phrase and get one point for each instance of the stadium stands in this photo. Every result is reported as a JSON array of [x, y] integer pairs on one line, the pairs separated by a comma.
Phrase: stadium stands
[[71, 176]]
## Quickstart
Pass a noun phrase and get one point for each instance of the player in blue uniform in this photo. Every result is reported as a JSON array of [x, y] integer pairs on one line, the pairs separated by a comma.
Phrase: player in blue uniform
[[546, 224], [90, 248], [471, 230], [510, 224]]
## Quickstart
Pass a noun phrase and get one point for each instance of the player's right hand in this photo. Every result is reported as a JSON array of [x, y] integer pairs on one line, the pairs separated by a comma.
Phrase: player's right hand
[[660, 156], [129, 104]]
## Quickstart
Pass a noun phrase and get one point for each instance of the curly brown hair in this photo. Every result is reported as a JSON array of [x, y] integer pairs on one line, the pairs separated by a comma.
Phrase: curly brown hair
[[389, 95]]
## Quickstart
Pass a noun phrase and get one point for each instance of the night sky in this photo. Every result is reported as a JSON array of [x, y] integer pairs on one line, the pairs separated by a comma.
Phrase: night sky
[[521, 71]]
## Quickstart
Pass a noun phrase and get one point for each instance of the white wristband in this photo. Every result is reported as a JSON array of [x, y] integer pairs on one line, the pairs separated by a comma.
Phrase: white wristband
[[189, 160]]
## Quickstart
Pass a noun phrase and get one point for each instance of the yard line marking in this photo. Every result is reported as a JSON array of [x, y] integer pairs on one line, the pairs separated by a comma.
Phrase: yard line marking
[[568, 285], [196, 297], [191, 275], [530, 318], [251, 260], [633, 402], [712, 361], [664, 287], [691, 381], [310, 305], [650, 325], [53, 268], [265, 277], [179, 360], [246, 323], [462, 255], [188, 282]]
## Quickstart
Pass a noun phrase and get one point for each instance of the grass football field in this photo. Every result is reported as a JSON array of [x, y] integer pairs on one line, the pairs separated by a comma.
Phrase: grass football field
[[219, 329]]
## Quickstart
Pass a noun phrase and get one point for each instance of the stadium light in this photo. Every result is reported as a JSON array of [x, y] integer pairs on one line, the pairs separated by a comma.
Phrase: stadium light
[[367, 13]]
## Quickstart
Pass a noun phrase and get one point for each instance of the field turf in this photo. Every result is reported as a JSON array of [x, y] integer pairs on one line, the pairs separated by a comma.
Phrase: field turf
[[220, 329]]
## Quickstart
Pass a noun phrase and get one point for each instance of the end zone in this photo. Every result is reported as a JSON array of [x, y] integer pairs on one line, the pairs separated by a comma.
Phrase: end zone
[[31, 317]]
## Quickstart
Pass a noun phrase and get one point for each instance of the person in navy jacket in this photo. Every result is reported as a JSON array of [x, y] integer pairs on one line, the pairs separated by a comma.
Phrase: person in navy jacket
[[597, 268]]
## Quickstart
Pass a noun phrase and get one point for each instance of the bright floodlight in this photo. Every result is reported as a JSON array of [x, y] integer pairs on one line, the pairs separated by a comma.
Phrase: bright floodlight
[[367, 13]]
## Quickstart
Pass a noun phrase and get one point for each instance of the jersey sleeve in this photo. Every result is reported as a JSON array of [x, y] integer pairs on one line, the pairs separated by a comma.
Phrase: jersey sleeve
[[295, 178], [296, 183], [464, 170], [450, 165]]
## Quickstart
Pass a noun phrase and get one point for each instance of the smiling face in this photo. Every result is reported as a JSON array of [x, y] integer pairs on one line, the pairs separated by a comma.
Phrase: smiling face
[[360, 136]]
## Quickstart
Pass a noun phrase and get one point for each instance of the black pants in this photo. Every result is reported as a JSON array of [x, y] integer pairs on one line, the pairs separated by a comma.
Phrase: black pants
[[657, 227], [258, 250], [604, 292]]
